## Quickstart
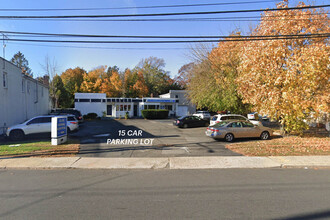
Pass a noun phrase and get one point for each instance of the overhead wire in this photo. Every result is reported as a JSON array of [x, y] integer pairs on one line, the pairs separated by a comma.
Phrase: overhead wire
[[251, 38], [136, 7], [154, 36], [165, 14]]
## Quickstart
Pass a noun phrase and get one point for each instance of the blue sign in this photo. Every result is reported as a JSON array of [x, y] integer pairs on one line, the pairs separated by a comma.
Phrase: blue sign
[[61, 127], [160, 100]]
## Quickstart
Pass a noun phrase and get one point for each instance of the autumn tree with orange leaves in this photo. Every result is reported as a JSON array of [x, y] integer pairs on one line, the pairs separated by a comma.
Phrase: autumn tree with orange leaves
[[212, 80], [288, 79], [93, 80], [72, 80], [140, 87], [113, 85]]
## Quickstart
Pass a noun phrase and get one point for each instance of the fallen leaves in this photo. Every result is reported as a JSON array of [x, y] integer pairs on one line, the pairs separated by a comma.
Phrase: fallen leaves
[[287, 146]]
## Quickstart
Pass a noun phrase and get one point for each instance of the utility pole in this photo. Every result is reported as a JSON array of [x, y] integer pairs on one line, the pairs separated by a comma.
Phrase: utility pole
[[4, 37]]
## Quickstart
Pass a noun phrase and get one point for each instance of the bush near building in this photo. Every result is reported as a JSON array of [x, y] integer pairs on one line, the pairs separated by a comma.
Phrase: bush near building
[[155, 113], [91, 116]]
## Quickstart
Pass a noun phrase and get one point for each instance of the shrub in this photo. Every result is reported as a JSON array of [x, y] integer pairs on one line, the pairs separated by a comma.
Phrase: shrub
[[92, 115], [155, 113], [85, 117]]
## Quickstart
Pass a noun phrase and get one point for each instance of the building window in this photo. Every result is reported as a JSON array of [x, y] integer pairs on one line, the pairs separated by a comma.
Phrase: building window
[[152, 107], [76, 100], [5, 80], [168, 107], [23, 85], [83, 100], [95, 100], [176, 96]]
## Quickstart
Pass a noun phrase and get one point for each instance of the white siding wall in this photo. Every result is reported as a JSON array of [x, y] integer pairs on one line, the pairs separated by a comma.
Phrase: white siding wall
[[91, 107], [17, 104]]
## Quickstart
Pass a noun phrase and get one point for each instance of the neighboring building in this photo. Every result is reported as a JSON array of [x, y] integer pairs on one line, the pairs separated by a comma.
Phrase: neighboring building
[[117, 107], [185, 107], [21, 97]]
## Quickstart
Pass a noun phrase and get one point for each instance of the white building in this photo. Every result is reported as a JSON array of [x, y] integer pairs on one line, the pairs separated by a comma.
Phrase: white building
[[185, 107], [117, 107], [21, 97]]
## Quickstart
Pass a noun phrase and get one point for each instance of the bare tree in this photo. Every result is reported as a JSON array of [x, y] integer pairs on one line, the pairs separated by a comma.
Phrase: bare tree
[[50, 68]]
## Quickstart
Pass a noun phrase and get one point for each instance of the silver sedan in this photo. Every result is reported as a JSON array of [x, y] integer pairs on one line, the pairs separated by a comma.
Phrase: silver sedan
[[238, 129]]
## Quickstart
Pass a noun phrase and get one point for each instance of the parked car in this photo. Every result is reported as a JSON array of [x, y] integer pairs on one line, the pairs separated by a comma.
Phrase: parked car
[[253, 116], [238, 129], [203, 114], [37, 125], [256, 116], [74, 112], [190, 121], [218, 118]]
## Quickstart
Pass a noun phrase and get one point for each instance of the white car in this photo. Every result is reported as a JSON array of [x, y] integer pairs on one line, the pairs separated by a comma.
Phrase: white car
[[39, 124], [219, 118], [202, 114]]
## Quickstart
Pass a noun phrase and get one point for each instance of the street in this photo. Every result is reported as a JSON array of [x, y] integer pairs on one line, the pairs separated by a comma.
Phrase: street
[[165, 194]]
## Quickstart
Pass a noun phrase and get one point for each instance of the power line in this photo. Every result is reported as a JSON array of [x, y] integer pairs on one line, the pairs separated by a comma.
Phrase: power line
[[139, 7], [159, 36], [325, 35], [106, 48], [234, 18], [168, 14]]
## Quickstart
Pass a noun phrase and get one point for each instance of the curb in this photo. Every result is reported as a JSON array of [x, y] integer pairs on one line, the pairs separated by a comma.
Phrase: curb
[[165, 162]]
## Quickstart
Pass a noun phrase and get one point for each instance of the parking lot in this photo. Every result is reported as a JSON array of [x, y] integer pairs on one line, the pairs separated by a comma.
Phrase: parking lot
[[145, 138]]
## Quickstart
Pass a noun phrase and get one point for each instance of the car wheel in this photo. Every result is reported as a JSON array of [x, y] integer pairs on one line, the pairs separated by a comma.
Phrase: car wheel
[[16, 135], [264, 135], [185, 126], [229, 137]]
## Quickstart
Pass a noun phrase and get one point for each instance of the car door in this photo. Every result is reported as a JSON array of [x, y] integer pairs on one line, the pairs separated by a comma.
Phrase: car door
[[237, 129], [249, 130], [46, 124], [199, 122], [33, 126]]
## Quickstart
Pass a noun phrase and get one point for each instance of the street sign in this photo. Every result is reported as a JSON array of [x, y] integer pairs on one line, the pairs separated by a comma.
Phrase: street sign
[[59, 130]]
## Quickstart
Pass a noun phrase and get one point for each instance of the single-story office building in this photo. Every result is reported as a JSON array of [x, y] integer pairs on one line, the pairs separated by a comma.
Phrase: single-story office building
[[117, 107]]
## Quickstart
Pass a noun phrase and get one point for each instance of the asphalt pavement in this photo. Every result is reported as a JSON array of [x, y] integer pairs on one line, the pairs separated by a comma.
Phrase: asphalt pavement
[[145, 138], [165, 194]]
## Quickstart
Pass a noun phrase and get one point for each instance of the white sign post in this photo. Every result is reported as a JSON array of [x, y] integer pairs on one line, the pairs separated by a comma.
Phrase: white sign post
[[59, 130]]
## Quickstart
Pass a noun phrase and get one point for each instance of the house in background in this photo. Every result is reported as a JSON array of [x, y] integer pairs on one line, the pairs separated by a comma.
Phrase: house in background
[[21, 97], [185, 107]]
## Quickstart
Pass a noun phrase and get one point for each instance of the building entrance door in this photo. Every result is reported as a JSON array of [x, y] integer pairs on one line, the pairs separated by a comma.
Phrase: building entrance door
[[109, 109], [135, 110]]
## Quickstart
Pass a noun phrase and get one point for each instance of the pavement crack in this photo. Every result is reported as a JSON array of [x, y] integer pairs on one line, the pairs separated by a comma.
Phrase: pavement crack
[[75, 162]]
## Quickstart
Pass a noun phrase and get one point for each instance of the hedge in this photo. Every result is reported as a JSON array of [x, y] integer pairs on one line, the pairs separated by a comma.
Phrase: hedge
[[154, 113], [91, 115]]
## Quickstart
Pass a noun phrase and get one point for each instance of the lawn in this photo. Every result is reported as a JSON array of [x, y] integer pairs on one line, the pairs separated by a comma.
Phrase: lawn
[[286, 146], [39, 148]]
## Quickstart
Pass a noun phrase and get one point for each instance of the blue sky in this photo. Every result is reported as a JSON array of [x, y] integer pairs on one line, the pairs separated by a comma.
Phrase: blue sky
[[89, 58]]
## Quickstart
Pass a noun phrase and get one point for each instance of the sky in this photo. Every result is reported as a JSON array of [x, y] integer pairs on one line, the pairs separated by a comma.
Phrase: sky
[[68, 55]]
